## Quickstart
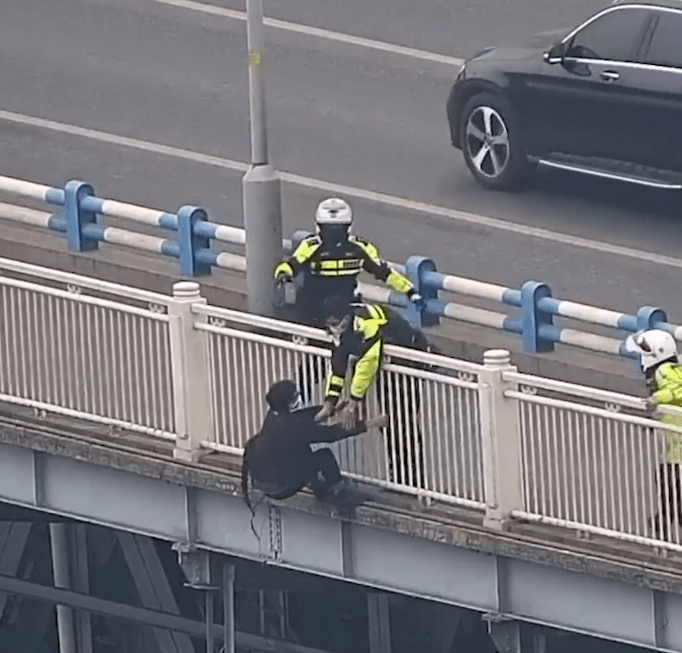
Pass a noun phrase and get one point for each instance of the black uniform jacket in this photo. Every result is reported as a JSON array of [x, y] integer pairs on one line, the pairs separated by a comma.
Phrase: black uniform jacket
[[280, 453]]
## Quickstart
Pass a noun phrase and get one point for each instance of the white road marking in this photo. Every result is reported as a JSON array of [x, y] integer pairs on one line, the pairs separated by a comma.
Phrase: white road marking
[[350, 191], [317, 32]]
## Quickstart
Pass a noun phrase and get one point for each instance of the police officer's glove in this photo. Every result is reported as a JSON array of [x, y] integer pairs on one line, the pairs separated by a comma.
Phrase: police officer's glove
[[283, 278], [650, 405], [349, 417], [417, 300], [326, 412]]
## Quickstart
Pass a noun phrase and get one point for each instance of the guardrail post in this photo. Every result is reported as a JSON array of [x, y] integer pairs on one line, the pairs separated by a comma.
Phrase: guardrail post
[[76, 217], [190, 243], [648, 317], [415, 269], [533, 318], [190, 367], [500, 439]]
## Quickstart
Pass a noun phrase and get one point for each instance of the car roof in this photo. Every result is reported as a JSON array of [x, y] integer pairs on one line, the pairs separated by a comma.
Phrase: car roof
[[671, 4]]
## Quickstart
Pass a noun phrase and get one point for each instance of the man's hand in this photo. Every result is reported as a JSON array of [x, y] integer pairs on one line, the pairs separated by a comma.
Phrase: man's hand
[[380, 422], [326, 412], [349, 417], [417, 300], [283, 278], [650, 405]]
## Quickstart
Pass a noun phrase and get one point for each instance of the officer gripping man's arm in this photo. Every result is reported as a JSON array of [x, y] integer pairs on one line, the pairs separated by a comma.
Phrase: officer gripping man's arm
[[335, 258], [357, 330]]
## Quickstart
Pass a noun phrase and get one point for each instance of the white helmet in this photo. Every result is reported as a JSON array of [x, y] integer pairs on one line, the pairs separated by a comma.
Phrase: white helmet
[[334, 211], [654, 346]]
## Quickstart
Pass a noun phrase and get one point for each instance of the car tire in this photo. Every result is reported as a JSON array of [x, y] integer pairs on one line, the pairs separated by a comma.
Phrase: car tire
[[492, 143]]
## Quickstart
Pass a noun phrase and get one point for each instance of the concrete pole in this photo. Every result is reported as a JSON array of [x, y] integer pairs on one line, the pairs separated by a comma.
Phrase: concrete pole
[[261, 184], [59, 543]]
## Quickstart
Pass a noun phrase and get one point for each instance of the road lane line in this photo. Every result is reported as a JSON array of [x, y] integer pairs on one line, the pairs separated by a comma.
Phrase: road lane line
[[317, 32], [350, 191]]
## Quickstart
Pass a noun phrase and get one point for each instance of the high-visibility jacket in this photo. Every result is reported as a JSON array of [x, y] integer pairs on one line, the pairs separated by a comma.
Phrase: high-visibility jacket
[[334, 267], [364, 339], [668, 391]]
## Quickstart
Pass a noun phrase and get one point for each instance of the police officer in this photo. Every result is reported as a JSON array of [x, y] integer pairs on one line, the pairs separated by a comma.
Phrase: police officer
[[361, 330], [659, 361], [333, 258], [279, 459]]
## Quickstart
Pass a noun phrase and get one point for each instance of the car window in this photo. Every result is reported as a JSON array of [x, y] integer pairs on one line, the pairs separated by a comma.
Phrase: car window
[[665, 47], [613, 36]]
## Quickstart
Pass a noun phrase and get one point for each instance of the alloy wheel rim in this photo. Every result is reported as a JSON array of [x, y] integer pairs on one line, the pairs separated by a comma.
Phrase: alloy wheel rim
[[487, 141]]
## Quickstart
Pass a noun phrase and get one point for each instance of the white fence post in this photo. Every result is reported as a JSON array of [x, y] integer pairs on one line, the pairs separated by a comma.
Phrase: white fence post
[[190, 365], [501, 440]]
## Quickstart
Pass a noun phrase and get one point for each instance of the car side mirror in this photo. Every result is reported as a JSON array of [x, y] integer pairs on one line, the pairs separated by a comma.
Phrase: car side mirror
[[555, 54]]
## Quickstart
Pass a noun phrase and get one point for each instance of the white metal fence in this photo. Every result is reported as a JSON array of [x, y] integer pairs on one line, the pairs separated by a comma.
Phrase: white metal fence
[[69, 349], [432, 444], [481, 436], [591, 461]]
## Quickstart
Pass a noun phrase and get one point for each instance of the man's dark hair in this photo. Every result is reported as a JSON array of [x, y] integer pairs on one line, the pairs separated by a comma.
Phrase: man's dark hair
[[280, 395]]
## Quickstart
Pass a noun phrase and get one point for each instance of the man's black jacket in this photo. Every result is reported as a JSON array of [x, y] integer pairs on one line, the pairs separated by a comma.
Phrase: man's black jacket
[[280, 453]]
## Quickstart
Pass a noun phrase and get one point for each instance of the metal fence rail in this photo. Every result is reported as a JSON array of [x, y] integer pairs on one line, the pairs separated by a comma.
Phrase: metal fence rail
[[483, 436], [537, 317], [432, 445], [87, 357], [593, 465]]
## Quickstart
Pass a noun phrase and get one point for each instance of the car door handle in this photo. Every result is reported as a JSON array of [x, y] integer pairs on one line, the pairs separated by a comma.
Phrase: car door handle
[[609, 75]]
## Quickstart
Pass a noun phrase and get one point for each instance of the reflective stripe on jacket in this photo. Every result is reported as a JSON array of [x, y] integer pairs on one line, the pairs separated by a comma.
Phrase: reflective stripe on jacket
[[346, 260]]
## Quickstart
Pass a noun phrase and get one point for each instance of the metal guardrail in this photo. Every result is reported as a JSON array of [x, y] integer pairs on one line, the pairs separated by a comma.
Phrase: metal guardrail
[[192, 237], [510, 445]]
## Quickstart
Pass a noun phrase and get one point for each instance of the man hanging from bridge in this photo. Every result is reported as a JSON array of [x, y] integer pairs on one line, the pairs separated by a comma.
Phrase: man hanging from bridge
[[279, 459]]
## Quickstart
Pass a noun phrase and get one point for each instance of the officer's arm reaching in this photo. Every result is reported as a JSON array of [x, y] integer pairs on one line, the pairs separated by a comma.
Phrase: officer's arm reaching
[[289, 267], [381, 270]]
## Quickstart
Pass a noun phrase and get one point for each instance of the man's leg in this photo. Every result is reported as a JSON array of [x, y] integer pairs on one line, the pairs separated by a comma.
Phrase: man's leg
[[325, 472]]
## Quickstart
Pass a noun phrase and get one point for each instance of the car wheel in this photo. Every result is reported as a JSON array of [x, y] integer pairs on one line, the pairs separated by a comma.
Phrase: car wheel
[[492, 143]]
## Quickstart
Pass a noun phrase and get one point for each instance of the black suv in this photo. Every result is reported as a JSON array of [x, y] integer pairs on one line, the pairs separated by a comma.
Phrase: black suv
[[606, 100]]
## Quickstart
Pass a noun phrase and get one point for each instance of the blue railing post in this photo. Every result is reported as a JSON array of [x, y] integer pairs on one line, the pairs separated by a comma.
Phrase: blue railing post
[[649, 316], [76, 217], [415, 269], [533, 318], [190, 243]]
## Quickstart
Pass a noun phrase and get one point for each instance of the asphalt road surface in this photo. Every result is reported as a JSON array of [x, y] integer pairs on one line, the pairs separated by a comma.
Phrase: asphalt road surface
[[360, 116]]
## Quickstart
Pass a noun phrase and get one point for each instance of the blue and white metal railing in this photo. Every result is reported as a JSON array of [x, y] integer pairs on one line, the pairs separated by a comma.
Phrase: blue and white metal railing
[[193, 235]]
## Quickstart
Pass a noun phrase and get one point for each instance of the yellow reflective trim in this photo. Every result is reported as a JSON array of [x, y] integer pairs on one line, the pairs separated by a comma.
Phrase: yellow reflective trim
[[366, 370], [398, 282], [336, 273], [368, 248], [284, 268], [306, 249]]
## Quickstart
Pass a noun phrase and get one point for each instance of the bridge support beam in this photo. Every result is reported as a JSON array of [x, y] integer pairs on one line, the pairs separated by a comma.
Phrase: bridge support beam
[[512, 636], [379, 623], [13, 538], [153, 587], [68, 543]]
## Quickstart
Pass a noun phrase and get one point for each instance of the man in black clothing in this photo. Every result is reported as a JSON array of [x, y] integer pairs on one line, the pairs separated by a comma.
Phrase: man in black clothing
[[279, 458]]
